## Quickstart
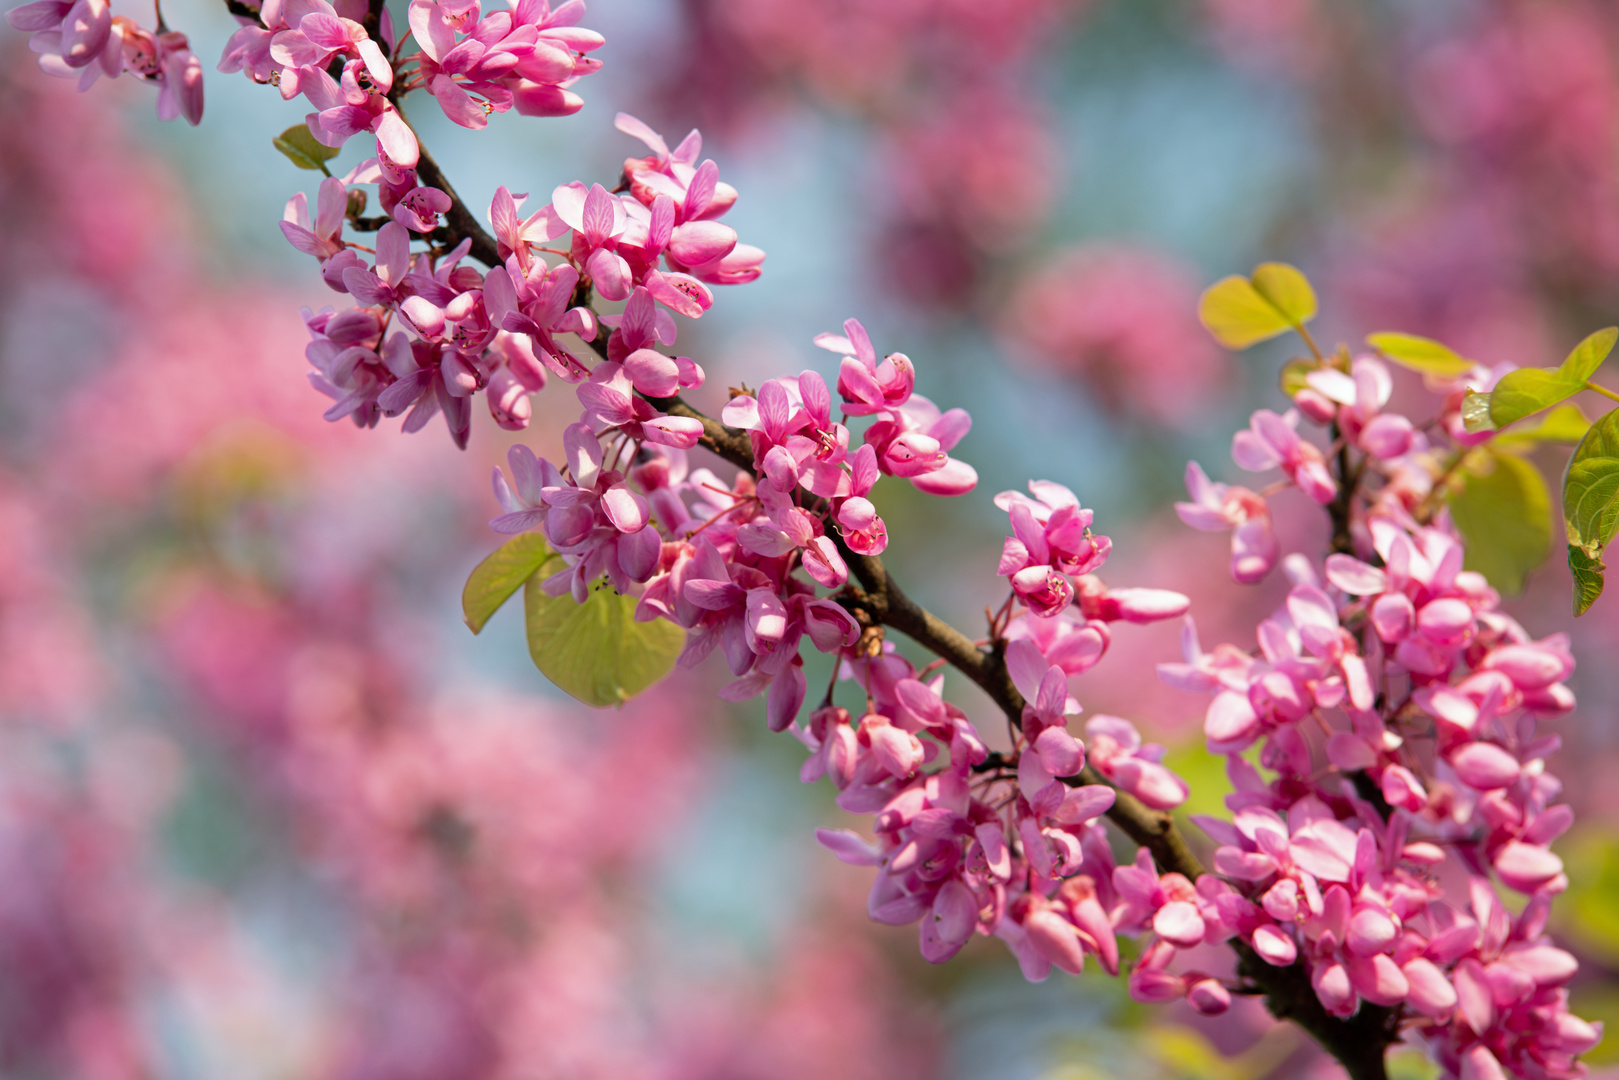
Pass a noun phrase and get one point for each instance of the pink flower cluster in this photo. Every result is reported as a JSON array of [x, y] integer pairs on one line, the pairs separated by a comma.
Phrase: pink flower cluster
[[1009, 847], [717, 558], [1354, 401], [1397, 711], [84, 40], [432, 332], [525, 57], [1051, 540]]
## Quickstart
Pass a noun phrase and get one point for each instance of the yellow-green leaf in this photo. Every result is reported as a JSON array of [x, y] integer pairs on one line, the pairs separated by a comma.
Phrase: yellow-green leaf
[[1505, 514], [303, 150], [1408, 1063], [1529, 390], [1286, 290], [1588, 355], [1420, 354], [1564, 424], [1241, 312], [494, 580], [1586, 913], [1235, 313], [596, 651], [1526, 391]]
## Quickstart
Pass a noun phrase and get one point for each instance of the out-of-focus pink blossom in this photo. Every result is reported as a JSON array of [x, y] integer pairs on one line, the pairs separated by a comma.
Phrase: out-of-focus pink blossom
[[1123, 321]]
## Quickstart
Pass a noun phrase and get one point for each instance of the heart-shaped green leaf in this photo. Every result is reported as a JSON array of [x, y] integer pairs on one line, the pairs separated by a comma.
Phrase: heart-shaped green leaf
[[1286, 290], [494, 580], [1420, 354], [1505, 514], [1529, 390], [1591, 487], [302, 148], [596, 651], [1591, 504], [1241, 312]]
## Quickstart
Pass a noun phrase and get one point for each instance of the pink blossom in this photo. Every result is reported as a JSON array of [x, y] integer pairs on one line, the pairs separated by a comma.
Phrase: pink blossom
[[1272, 442], [1217, 507]]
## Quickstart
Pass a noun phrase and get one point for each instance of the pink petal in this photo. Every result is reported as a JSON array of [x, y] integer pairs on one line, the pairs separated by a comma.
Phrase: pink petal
[[849, 847], [1431, 993], [1485, 766], [653, 373], [1179, 923], [1274, 946], [699, 242]]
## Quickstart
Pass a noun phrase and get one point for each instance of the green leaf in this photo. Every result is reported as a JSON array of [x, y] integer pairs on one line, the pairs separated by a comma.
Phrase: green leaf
[[1476, 413], [1286, 290], [1241, 312], [1564, 424], [1505, 515], [1587, 579], [303, 150], [596, 651], [1588, 355], [1420, 354], [494, 580], [1591, 506], [1525, 391], [1529, 390]]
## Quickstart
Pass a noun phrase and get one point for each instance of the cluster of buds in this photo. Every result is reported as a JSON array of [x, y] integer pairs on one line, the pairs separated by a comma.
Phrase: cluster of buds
[[1009, 846], [432, 332]]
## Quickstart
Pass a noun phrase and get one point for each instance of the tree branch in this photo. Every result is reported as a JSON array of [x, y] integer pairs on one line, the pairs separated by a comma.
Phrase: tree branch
[[373, 18], [1360, 1042], [459, 223]]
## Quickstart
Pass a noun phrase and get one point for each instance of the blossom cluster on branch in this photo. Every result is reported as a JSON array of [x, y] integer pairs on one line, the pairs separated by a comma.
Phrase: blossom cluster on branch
[[1383, 739], [84, 40], [1393, 714]]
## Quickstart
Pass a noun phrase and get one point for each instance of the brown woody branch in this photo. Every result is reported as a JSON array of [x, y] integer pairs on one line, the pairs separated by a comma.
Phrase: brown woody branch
[[459, 222]]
